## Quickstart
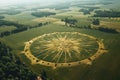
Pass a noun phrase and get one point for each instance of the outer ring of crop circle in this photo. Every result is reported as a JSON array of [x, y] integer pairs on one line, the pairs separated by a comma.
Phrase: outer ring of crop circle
[[35, 60]]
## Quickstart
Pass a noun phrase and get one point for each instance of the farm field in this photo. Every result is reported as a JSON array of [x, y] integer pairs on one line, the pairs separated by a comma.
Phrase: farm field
[[65, 42], [23, 18], [6, 28]]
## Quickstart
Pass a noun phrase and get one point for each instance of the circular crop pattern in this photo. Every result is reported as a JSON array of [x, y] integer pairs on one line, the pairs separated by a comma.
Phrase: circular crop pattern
[[63, 49]]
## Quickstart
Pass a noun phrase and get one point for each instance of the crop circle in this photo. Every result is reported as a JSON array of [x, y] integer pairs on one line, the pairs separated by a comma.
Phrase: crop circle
[[63, 49]]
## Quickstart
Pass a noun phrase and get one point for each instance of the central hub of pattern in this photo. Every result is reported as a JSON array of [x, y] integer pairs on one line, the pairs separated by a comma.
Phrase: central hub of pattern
[[63, 45]]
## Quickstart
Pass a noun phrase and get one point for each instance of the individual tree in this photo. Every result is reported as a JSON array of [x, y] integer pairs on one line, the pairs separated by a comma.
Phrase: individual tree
[[71, 22], [96, 22]]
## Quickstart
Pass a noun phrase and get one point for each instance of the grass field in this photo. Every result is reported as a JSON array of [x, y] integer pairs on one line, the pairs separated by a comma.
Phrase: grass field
[[22, 18], [6, 28], [114, 25], [111, 42], [106, 67]]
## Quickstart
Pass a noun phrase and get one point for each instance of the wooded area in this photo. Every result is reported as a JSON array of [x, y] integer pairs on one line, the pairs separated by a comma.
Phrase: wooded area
[[105, 13], [42, 14], [11, 68]]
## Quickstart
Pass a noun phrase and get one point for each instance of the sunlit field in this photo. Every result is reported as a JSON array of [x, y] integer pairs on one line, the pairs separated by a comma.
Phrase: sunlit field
[[63, 40]]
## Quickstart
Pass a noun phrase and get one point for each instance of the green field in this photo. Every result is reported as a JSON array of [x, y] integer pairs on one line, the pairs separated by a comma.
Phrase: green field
[[6, 28], [22, 18], [111, 42], [105, 67]]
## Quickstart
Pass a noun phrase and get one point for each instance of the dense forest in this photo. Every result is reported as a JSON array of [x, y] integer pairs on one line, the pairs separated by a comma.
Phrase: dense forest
[[88, 10], [70, 22], [107, 30], [96, 22], [109, 14], [11, 68], [42, 14]]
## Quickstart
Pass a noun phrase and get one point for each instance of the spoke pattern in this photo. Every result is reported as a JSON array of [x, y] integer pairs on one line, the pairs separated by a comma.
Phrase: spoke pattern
[[63, 47]]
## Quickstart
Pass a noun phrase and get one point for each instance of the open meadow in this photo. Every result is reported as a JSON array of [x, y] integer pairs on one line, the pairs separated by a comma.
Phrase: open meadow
[[77, 16]]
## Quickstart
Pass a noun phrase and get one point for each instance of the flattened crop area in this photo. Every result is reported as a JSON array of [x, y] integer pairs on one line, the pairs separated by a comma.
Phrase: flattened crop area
[[63, 49]]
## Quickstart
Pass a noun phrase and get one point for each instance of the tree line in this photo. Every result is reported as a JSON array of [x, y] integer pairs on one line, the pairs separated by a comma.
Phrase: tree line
[[88, 10], [103, 29], [106, 13], [108, 30], [72, 23], [42, 14], [19, 27]]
